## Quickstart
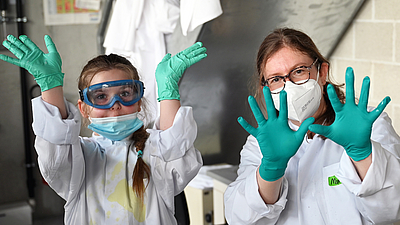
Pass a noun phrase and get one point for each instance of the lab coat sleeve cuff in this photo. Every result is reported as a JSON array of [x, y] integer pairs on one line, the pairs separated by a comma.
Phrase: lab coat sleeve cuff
[[49, 125], [374, 180], [172, 144], [256, 202]]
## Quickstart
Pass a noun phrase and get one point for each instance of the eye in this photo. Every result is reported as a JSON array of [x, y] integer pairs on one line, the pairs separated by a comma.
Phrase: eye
[[274, 80], [299, 71]]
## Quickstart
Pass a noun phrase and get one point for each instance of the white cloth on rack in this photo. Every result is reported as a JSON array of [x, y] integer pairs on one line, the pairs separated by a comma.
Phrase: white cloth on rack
[[197, 12], [137, 31]]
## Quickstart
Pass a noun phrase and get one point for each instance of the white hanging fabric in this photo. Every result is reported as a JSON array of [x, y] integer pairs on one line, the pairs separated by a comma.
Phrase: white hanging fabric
[[137, 31]]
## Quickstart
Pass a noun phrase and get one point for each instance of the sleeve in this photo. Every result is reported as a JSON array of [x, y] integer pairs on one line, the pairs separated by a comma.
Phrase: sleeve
[[174, 161], [378, 195], [57, 144], [243, 203]]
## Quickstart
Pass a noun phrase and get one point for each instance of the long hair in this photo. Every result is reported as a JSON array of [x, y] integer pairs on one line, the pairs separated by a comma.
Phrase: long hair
[[109, 62], [299, 41]]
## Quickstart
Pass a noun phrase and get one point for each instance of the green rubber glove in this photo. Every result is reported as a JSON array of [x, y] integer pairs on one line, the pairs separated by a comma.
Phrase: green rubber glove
[[278, 143], [353, 123], [171, 69], [46, 68]]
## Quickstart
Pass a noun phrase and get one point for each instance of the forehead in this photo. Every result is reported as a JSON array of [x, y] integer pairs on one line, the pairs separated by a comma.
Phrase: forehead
[[110, 75], [284, 60]]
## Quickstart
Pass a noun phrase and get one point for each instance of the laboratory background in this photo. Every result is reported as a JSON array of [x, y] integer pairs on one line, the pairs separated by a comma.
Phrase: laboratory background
[[363, 34]]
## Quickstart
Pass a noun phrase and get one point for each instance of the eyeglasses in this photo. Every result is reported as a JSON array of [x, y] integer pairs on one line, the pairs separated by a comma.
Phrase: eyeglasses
[[299, 75], [104, 95]]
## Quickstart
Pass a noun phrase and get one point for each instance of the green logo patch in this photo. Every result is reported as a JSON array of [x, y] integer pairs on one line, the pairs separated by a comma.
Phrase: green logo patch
[[333, 181]]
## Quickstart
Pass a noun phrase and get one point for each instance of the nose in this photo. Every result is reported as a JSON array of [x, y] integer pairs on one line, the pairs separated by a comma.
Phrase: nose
[[116, 106]]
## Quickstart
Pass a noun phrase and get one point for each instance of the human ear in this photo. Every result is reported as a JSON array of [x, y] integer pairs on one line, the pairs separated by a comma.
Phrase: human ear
[[323, 73], [82, 108]]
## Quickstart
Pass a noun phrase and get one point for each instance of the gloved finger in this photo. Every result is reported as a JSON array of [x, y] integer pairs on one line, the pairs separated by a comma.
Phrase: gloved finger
[[192, 48], [379, 109], [18, 44], [197, 58], [250, 129], [13, 49], [283, 112], [10, 60], [320, 129], [256, 110], [166, 57], [269, 103], [350, 98], [196, 52], [336, 104], [304, 127], [28, 42], [51, 47], [363, 103]]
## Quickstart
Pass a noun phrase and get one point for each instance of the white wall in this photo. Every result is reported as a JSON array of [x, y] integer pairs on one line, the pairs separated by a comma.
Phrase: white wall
[[372, 47]]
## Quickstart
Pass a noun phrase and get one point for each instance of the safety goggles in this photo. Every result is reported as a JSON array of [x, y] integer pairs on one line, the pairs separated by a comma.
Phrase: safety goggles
[[104, 95]]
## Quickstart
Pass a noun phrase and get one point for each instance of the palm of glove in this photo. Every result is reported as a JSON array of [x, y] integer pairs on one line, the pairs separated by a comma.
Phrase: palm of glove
[[278, 143], [353, 123], [170, 70]]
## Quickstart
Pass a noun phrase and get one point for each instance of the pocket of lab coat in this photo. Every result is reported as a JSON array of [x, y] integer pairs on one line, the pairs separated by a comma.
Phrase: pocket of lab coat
[[340, 202]]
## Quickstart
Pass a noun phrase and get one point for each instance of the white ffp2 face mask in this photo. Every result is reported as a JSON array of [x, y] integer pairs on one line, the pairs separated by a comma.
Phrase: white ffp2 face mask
[[303, 100]]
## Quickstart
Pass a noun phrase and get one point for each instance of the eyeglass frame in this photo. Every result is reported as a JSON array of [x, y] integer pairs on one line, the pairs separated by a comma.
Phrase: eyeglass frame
[[264, 82]]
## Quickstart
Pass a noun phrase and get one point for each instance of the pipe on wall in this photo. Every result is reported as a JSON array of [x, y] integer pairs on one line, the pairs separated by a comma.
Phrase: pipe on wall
[[28, 145]]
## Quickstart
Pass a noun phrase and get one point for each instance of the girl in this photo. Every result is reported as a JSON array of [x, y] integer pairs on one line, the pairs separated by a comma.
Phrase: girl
[[124, 173], [341, 170]]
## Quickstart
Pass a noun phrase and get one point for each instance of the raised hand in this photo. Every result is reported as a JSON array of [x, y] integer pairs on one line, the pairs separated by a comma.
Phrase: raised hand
[[278, 143], [46, 68], [353, 123], [171, 69]]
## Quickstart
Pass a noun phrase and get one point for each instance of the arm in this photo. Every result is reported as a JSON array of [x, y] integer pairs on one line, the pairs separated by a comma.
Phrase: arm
[[353, 123], [362, 166], [269, 190], [168, 73], [278, 143], [244, 203], [46, 68]]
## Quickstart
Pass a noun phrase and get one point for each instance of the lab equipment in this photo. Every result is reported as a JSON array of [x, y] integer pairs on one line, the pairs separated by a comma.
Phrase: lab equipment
[[46, 68], [353, 123], [277, 141], [104, 95], [171, 69]]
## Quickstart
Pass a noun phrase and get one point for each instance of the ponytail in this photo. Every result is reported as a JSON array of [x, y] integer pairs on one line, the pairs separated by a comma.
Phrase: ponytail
[[141, 170]]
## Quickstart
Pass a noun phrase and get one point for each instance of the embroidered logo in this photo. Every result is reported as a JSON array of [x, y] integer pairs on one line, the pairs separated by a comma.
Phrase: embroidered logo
[[333, 181]]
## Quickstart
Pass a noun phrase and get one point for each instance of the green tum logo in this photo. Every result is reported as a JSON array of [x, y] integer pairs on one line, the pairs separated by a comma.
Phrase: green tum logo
[[333, 181]]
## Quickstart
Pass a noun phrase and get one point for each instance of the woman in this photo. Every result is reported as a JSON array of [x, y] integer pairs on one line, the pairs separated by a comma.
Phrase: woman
[[340, 170]]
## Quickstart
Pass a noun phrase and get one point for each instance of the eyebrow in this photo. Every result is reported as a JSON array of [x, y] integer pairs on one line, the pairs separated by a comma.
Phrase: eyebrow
[[293, 68]]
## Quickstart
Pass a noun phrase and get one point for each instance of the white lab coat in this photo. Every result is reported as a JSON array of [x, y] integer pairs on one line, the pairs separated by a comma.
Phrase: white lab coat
[[94, 175], [306, 196]]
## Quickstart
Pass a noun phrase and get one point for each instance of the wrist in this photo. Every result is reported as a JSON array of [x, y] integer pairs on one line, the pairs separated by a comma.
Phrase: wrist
[[50, 81], [271, 171], [358, 154]]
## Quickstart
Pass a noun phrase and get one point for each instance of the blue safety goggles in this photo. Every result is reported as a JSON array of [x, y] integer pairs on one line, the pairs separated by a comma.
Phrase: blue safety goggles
[[104, 95]]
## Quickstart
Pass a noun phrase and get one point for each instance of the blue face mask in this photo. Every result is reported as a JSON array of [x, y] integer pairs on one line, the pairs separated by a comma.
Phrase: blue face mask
[[116, 128]]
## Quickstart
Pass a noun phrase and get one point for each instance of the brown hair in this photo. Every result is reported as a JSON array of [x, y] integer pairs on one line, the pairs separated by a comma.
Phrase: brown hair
[[299, 41], [139, 137]]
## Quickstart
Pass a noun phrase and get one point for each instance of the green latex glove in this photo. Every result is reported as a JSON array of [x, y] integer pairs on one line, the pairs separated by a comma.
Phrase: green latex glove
[[170, 70], [278, 143], [353, 123], [46, 68]]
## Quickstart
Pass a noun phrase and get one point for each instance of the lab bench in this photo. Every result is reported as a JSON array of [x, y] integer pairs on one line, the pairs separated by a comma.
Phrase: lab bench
[[206, 205]]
